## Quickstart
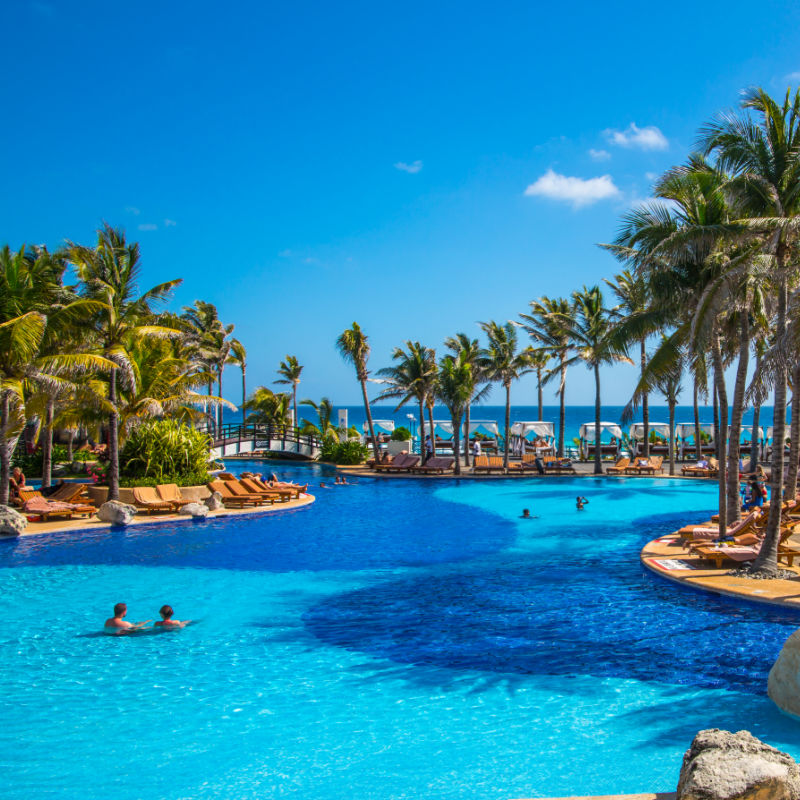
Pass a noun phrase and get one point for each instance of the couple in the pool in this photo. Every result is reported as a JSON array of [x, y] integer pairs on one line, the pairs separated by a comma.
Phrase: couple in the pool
[[119, 625]]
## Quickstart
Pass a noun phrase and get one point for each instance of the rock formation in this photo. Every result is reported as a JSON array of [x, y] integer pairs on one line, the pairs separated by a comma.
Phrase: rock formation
[[116, 513], [12, 523]]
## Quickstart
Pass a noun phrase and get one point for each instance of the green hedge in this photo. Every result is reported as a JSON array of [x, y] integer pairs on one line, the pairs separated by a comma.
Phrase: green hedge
[[194, 479], [349, 452]]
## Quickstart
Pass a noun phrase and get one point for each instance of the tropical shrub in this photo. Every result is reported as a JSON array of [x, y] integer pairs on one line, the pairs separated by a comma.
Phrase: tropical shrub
[[164, 449], [401, 434], [31, 463], [349, 452]]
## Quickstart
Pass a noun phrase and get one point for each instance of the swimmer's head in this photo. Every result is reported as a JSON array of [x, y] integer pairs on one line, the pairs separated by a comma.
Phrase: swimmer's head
[[166, 612], [526, 512], [120, 610]]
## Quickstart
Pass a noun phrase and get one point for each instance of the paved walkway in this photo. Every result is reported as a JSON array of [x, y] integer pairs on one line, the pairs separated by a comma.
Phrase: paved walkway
[[92, 523]]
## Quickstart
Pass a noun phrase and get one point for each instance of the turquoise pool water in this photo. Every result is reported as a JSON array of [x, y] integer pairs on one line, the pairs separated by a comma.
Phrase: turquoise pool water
[[402, 639]]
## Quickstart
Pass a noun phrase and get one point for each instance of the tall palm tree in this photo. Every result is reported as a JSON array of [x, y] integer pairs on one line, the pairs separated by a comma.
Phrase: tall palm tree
[[290, 371], [324, 410], [669, 384], [505, 363], [239, 358], [591, 337], [267, 407], [353, 346], [472, 352], [455, 387], [546, 328], [410, 378], [109, 273]]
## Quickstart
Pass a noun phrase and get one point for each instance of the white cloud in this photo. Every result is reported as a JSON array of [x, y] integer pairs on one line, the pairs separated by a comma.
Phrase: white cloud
[[792, 76], [651, 176], [578, 191], [148, 226], [414, 167], [599, 155], [170, 223], [133, 210], [310, 260], [647, 138]]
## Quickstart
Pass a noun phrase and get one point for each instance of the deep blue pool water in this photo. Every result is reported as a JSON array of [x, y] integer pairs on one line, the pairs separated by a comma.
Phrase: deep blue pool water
[[397, 639]]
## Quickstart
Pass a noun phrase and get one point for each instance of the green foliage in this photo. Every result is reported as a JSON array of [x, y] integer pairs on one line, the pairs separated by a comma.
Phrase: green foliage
[[401, 434], [31, 463], [83, 455], [192, 479], [349, 452], [165, 448]]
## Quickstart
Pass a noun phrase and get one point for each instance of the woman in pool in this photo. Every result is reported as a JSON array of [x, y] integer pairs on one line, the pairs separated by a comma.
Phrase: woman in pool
[[166, 620]]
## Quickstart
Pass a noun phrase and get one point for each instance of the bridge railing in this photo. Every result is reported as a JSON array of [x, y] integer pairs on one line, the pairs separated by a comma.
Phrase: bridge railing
[[288, 434]]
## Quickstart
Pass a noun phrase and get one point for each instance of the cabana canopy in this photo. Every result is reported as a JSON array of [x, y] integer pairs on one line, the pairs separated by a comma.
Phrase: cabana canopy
[[749, 430], [443, 426], [539, 427], [637, 429], [487, 426], [385, 425], [686, 429], [587, 430]]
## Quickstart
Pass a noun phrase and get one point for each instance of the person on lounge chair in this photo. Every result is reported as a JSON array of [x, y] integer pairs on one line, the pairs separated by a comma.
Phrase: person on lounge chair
[[755, 498], [117, 625], [702, 463], [16, 481], [167, 621]]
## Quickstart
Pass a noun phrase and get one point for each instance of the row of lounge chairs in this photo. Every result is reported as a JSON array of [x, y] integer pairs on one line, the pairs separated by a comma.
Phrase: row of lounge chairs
[[253, 492], [640, 466], [66, 501]]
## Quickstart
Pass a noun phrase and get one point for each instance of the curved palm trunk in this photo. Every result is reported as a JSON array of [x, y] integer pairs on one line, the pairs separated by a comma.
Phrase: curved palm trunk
[[598, 459], [698, 445], [211, 412], [721, 393], [368, 411], [47, 444], [506, 440], [457, 442], [466, 438], [244, 396], [70, 443], [755, 444], [737, 412], [562, 409], [767, 560], [540, 392], [422, 453], [645, 402], [715, 405], [5, 449], [113, 439], [790, 488], [296, 421], [218, 411], [672, 403], [433, 428]]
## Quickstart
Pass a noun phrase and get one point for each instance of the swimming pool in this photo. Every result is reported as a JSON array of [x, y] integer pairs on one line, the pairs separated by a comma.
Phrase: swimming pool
[[396, 639]]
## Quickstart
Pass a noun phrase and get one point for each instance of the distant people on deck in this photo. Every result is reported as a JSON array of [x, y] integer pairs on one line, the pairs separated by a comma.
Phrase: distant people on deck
[[702, 463], [580, 502], [117, 624], [428, 447], [476, 448]]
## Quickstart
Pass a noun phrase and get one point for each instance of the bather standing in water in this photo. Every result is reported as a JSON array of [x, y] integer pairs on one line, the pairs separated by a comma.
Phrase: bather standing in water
[[580, 502], [166, 620], [116, 625]]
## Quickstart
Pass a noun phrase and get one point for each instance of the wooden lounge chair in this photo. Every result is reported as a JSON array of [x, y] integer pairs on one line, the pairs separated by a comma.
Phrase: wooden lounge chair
[[253, 487], [487, 464], [406, 464], [383, 462], [620, 467], [707, 532], [529, 464], [44, 508], [145, 497], [719, 554], [654, 463], [437, 464], [711, 471], [229, 498], [68, 492], [237, 490], [295, 490], [170, 493], [554, 464]]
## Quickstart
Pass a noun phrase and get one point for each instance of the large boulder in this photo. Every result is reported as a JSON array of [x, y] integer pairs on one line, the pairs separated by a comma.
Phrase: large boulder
[[783, 684], [214, 503], [116, 513], [12, 523], [736, 766], [196, 510]]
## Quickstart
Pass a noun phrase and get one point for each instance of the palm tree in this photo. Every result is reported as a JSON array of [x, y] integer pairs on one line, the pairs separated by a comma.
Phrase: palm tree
[[109, 273], [324, 410], [504, 363], [290, 371], [545, 326], [410, 378], [761, 150], [353, 346], [239, 358], [267, 407], [633, 293], [471, 350], [455, 387], [591, 338], [669, 384]]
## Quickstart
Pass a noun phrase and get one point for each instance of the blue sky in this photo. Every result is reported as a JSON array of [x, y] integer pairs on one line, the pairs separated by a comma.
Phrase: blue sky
[[414, 167]]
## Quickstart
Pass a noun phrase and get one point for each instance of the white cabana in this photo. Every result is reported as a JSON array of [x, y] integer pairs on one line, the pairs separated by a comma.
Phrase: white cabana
[[544, 430], [661, 428], [487, 426], [443, 428], [587, 431], [685, 432], [380, 426]]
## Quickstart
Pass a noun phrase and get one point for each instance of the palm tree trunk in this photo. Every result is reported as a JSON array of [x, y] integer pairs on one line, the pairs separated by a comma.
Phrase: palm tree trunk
[[598, 458], [47, 444], [457, 443], [370, 426], [466, 438], [672, 403], [562, 409], [211, 412], [506, 440], [70, 441], [433, 428], [698, 445], [790, 488], [422, 453], [737, 412], [540, 392], [219, 394], [113, 439], [767, 561], [755, 444], [294, 405], [715, 408], [645, 402], [721, 393], [5, 451]]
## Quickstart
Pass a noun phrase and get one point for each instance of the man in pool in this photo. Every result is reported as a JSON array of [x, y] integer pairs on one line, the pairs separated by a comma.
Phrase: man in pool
[[166, 620], [580, 502], [117, 625]]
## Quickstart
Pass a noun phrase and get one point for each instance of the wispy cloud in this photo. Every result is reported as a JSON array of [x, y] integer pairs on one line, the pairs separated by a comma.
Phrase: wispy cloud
[[578, 191], [133, 210], [148, 226], [792, 77], [170, 223], [310, 260], [599, 155], [414, 167], [651, 176], [647, 138], [287, 253]]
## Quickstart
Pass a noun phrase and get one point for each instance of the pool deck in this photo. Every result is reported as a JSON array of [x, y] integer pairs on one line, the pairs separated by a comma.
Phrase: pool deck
[[666, 557], [93, 524]]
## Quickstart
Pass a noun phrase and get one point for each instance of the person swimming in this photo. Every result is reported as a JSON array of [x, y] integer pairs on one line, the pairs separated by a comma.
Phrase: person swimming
[[580, 502], [116, 625], [167, 621]]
